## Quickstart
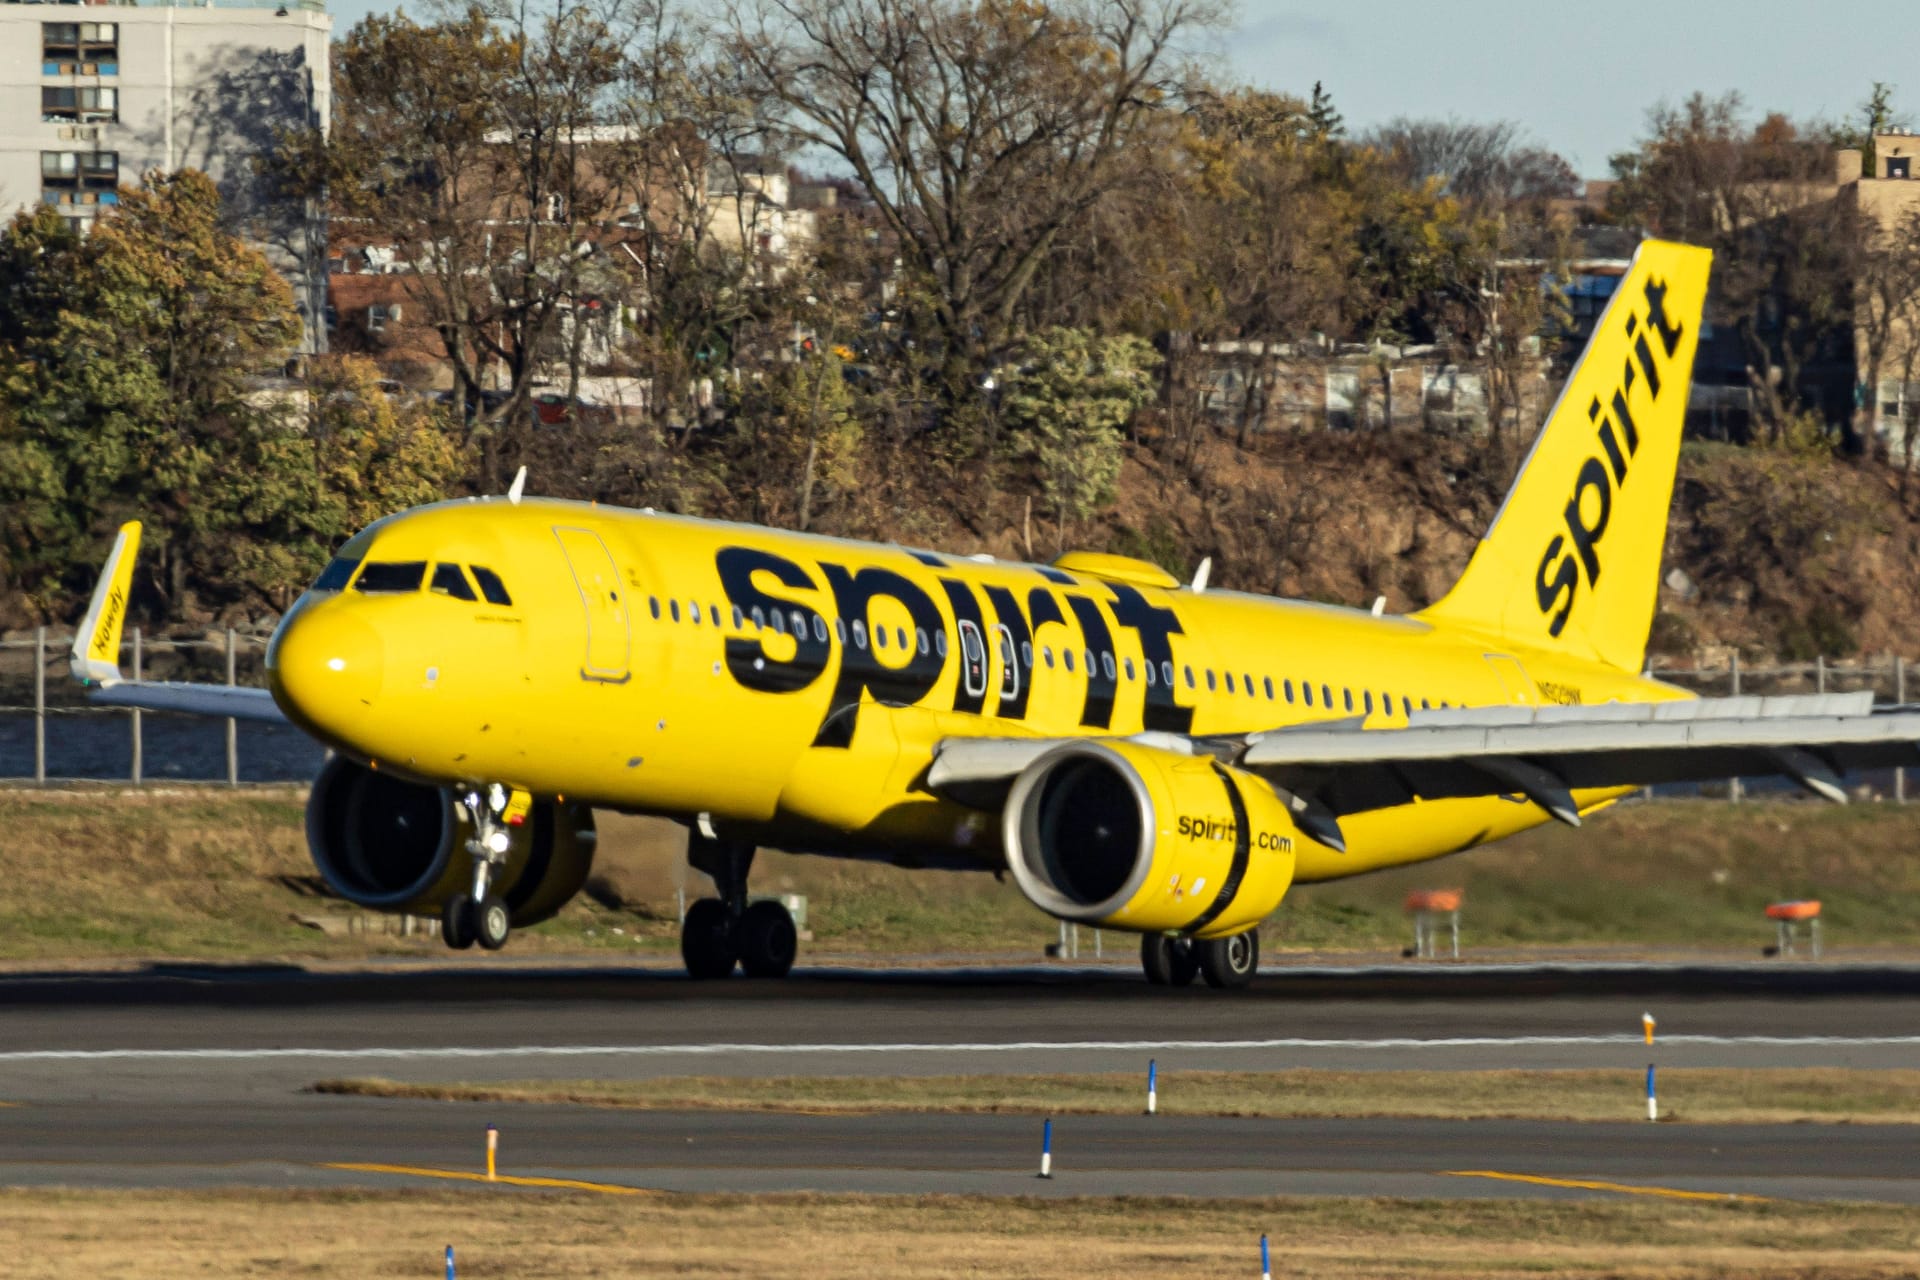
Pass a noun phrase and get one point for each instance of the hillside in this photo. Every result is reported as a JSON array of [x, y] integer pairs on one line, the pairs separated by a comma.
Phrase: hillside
[[1780, 555]]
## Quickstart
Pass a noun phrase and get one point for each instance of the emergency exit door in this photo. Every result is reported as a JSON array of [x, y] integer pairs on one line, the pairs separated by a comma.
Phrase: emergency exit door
[[609, 633]]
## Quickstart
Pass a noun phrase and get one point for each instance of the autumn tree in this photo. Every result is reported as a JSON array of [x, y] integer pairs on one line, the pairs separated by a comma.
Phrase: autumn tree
[[137, 365], [135, 397], [1271, 230], [1066, 398]]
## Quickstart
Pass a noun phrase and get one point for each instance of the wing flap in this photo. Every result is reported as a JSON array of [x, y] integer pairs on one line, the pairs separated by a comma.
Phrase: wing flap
[[1546, 755], [1746, 723]]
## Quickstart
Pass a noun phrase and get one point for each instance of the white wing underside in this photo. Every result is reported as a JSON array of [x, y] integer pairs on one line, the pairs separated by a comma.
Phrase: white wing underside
[[236, 702]]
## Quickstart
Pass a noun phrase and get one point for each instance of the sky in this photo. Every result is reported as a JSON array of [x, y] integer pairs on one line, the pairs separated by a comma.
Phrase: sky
[[1578, 77]]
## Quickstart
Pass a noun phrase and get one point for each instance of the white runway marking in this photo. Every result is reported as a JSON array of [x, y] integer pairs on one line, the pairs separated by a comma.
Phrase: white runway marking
[[1011, 1046]]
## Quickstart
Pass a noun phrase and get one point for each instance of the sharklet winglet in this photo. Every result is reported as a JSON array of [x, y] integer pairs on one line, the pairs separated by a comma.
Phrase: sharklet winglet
[[96, 645]]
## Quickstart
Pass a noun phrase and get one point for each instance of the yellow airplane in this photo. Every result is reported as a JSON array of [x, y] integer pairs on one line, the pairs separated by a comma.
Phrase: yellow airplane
[[1139, 754]]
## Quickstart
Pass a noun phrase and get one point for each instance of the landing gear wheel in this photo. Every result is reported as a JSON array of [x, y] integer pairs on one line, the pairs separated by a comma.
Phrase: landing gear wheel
[[1229, 962], [456, 922], [1169, 962], [706, 940], [491, 923], [766, 940]]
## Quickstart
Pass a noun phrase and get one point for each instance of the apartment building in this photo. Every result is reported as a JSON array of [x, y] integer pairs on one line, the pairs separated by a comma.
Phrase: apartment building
[[93, 96]]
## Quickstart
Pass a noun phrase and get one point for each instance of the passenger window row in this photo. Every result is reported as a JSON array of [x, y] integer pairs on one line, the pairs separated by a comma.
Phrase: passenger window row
[[860, 635]]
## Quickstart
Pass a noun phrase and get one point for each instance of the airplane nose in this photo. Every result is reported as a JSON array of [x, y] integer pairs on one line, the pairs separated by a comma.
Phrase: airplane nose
[[325, 668]]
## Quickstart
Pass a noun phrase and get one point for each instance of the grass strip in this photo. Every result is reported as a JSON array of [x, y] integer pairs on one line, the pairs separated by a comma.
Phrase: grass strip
[[1698, 1095], [207, 874], [557, 1235]]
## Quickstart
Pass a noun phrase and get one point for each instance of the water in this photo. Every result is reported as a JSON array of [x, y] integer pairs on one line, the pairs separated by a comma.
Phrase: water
[[98, 745]]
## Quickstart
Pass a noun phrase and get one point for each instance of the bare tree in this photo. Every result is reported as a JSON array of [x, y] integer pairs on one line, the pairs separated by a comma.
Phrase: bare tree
[[1488, 165], [1887, 314], [982, 129], [1766, 198], [476, 151]]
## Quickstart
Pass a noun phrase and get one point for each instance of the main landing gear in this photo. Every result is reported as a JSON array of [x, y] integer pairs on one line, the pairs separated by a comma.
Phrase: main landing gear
[[481, 915], [1223, 962], [721, 932]]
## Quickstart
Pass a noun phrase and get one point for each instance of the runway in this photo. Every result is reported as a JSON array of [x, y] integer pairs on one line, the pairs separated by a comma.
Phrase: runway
[[292, 1141], [196, 1077]]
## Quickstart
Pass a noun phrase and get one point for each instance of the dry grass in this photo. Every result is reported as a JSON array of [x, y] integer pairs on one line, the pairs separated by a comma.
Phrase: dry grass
[[1699, 1095], [115, 876], [215, 1235]]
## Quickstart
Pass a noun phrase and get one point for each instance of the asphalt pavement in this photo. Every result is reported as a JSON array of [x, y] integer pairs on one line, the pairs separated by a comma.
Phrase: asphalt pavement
[[198, 1076]]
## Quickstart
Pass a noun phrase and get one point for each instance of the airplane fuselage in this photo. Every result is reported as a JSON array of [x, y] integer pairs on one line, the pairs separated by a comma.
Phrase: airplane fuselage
[[792, 688]]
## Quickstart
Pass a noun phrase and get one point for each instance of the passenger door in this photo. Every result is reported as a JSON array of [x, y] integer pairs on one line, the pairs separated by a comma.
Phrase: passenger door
[[609, 631]]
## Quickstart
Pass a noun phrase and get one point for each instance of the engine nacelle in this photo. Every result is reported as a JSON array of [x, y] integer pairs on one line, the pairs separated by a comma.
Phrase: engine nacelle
[[387, 844], [1118, 834]]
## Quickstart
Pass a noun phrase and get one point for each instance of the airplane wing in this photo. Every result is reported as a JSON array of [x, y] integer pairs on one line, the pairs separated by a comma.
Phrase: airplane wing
[[96, 655], [1335, 768]]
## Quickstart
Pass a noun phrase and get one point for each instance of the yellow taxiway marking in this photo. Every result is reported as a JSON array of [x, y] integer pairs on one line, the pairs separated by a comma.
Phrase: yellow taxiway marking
[[461, 1175], [1624, 1188]]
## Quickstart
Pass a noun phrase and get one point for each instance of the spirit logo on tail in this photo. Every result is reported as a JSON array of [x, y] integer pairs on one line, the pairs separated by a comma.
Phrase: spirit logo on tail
[[1591, 506]]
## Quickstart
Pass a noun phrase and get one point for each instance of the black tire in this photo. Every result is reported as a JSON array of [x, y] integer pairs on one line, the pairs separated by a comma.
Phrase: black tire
[[1185, 963], [1168, 962], [706, 940], [766, 940], [492, 922], [456, 922], [1156, 959], [1229, 962]]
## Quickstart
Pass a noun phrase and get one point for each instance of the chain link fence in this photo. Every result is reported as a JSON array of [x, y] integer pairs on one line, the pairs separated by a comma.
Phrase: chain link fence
[[1885, 677], [50, 733]]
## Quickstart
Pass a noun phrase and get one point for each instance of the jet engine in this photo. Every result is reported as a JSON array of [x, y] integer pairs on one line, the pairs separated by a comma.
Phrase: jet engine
[[1119, 834], [387, 844]]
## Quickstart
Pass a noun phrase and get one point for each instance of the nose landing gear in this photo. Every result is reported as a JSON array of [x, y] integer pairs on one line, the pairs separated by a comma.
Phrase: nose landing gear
[[722, 932], [481, 915]]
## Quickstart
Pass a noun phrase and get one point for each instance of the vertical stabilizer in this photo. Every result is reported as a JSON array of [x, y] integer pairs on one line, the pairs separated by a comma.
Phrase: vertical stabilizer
[[1572, 562]]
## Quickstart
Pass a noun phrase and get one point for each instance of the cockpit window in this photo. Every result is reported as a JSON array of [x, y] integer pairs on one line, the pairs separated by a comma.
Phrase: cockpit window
[[490, 586], [336, 575], [449, 581], [391, 577]]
